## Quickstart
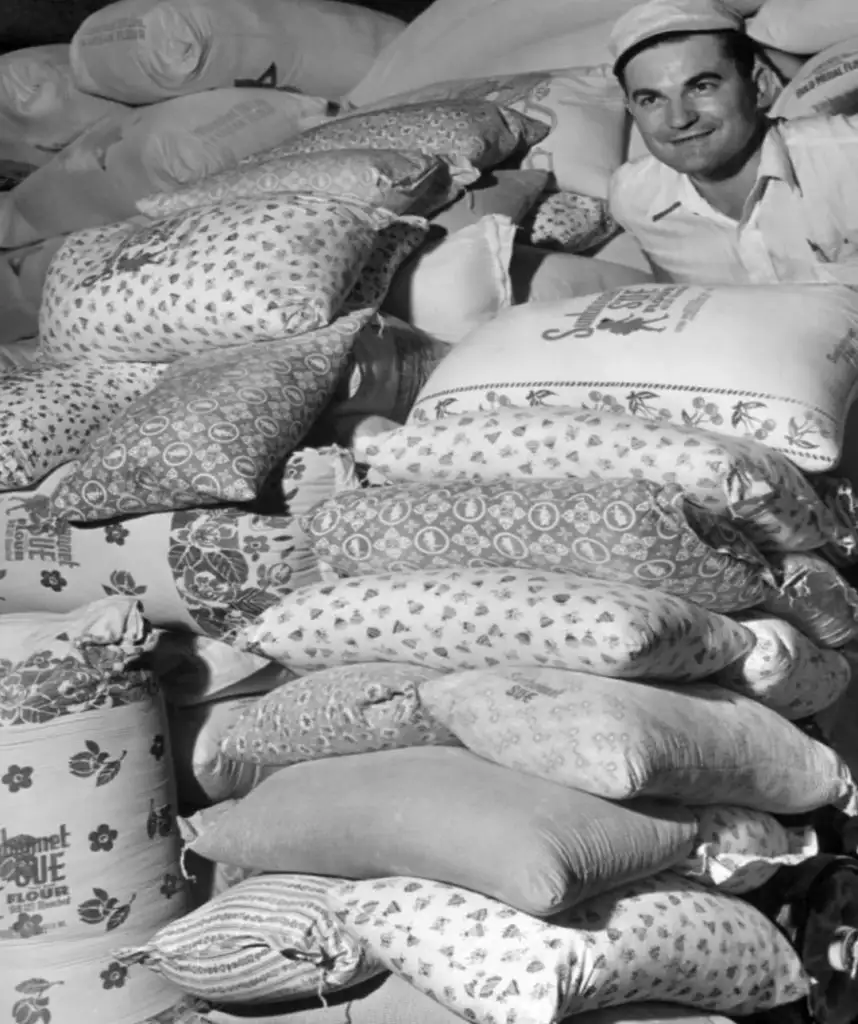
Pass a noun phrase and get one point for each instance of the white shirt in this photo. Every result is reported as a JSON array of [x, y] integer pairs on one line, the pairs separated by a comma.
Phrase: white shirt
[[800, 222]]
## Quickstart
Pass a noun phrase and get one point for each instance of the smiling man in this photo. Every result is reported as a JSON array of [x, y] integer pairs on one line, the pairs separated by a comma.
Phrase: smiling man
[[728, 195]]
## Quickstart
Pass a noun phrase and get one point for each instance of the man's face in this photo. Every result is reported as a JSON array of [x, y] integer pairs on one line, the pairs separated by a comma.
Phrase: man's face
[[694, 110]]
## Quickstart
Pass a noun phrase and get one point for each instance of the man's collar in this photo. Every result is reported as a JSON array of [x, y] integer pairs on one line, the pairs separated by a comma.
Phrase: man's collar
[[676, 190]]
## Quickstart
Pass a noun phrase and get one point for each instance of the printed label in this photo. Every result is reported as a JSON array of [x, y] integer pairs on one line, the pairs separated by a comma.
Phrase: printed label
[[33, 879], [644, 310]]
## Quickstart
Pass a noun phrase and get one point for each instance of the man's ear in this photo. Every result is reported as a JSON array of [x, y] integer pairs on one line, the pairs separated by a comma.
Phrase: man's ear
[[767, 84]]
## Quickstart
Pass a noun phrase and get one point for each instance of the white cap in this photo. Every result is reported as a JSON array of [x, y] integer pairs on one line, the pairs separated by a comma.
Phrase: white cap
[[659, 17]]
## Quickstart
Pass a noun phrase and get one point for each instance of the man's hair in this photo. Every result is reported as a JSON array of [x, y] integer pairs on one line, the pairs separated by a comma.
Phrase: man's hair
[[736, 46]]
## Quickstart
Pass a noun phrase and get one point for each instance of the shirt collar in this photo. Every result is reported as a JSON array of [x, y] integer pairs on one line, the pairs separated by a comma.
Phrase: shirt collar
[[677, 190]]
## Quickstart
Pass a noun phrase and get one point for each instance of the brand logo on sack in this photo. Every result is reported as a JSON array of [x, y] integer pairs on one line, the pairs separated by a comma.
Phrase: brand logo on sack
[[36, 869], [644, 309]]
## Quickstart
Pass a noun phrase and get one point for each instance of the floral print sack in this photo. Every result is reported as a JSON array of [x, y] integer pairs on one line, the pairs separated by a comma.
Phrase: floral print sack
[[478, 618], [207, 571], [762, 492], [661, 938], [622, 531], [89, 851]]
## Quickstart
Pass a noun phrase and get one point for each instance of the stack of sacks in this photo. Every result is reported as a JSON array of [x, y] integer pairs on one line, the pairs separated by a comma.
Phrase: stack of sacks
[[151, 95], [619, 621], [89, 851]]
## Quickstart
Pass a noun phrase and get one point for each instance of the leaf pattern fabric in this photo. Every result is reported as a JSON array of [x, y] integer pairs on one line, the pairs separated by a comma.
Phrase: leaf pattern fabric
[[348, 709], [206, 571], [263, 940], [663, 938], [565, 221], [89, 849], [212, 429], [398, 180], [740, 849], [622, 739], [621, 531], [760, 489], [479, 618], [48, 413], [249, 270]]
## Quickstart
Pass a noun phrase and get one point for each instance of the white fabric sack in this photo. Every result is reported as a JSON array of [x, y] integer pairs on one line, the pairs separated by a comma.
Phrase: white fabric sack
[[827, 84], [450, 287], [40, 105], [696, 355], [142, 51], [804, 26], [473, 38], [100, 177]]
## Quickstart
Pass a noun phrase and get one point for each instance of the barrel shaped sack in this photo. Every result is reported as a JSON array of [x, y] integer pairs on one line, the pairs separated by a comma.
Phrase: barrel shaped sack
[[89, 853], [695, 355]]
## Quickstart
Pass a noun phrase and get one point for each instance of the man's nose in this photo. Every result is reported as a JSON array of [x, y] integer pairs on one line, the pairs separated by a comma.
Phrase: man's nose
[[680, 113]]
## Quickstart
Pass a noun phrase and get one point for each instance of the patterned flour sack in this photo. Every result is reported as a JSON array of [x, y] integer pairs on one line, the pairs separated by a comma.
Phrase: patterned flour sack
[[621, 739], [739, 850], [760, 490], [47, 412], [827, 84], [348, 709], [662, 938], [252, 270], [786, 671], [478, 618], [98, 178], [622, 531], [815, 598], [39, 102], [262, 941], [142, 51], [714, 362], [89, 853], [205, 571]]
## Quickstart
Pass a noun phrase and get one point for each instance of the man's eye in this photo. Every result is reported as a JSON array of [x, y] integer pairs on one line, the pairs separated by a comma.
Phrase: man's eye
[[704, 87]]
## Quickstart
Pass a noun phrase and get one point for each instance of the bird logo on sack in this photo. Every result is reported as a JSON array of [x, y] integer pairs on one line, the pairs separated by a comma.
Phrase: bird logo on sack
[[32, 878], [644, 308]]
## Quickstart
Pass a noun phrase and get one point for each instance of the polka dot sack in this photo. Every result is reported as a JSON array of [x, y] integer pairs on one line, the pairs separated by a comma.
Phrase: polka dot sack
[[761, 490], [623, 531], [662, 938], [204, 571], [89, 851], [240, 271], [621, 739], [398, 180], [815, 598], [739, 850], [348, 709], [212, 429], [478, 618], [473, 133], [569, 222], [264, 940], [679, 354], [47, 413], [786, 671]]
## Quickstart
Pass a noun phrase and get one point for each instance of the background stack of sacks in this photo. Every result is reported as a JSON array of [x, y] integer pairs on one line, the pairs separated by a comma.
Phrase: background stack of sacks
[[619, 617]]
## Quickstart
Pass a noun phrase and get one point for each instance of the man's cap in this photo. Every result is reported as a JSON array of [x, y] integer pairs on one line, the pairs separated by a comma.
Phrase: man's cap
[[660, 17]]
